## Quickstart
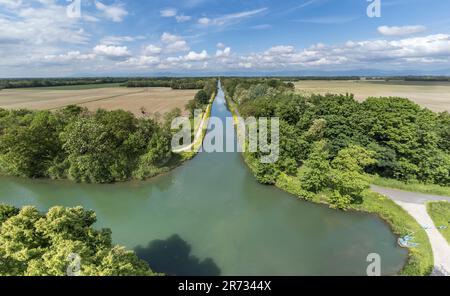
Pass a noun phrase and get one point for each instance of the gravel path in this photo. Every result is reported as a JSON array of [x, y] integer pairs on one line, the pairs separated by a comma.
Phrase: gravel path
[[415, 205]]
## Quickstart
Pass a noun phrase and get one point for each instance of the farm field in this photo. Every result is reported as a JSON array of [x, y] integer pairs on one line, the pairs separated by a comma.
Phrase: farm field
[[434, 96], [153, 100]]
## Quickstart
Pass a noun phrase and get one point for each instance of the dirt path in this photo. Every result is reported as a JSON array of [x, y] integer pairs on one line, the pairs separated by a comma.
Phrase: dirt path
[[415, 205], [199, 133]]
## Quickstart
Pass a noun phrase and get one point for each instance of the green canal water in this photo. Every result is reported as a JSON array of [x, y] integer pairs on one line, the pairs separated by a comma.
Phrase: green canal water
[[210, 217]]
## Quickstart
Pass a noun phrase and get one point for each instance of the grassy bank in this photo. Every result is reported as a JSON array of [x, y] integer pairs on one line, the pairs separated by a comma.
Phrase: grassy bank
[[411, 186], [420, 260], [440, 213]]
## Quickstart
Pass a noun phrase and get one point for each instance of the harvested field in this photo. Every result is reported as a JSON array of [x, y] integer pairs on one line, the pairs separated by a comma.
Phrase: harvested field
[[433, 95], [153, 100]]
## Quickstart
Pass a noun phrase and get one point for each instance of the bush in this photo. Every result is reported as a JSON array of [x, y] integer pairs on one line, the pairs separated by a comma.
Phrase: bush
[[202, 97]]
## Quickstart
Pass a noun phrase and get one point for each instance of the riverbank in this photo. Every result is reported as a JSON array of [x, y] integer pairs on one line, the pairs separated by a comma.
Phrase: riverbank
[[420, 259], [191, 151], [416, 205]]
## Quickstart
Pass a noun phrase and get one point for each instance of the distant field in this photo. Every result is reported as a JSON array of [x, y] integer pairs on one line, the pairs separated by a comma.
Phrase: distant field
[[433, 95], [154, 100]]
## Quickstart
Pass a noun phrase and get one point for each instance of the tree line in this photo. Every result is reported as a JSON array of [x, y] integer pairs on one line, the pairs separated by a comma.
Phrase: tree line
[[174, 83], [51, 82], [332, 142], [83, 146]]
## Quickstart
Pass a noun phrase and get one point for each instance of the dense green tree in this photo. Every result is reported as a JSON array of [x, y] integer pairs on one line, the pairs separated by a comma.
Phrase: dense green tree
[[314, 174], [202, 97], [348, 180], [88, 146], [37, 244], [28, 146]]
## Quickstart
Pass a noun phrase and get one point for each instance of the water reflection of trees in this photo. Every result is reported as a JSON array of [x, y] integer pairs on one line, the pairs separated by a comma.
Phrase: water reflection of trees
[[173, 257]]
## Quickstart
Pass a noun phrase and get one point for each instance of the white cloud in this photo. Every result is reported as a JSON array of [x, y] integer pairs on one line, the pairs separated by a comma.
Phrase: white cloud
[[117, 40], [231, 18], [44, 25], [11, 4], [169, 38], [245, 65], [29, 32], [183, 18], [281, 49], [69, 57], [168, 12], [112, 52], [114, 12], [373, 54], [192, 56], [140, 62], [174, 43], [397, 31], [152, 50], [220, 45], [226, 52], [172, 12], [204, 21]]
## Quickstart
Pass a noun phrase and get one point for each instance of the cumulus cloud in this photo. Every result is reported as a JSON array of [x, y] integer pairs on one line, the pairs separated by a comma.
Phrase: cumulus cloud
[[398, 31], [114, 12], [226, 52], [174, 43], [112, 52], [193, 56], [372, 54], [152, 50]]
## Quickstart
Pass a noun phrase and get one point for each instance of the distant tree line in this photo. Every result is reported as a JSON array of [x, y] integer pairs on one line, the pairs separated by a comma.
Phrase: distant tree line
[[174, 83], [331, 142], [51, 82], [203, 96]]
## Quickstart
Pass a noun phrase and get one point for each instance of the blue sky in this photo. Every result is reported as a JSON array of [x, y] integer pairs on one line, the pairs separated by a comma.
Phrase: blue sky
[[194, 37]]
